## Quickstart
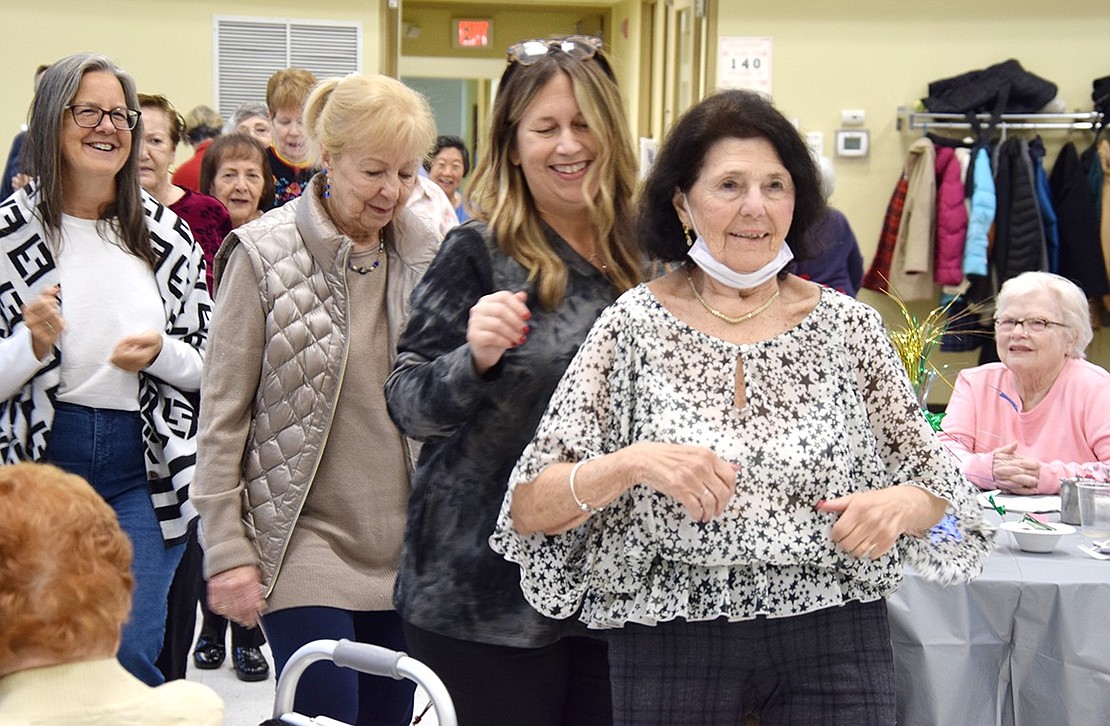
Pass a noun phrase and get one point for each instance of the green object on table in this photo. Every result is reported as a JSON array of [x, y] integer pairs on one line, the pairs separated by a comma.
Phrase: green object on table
[[1001, 509], [1035, 523], [934, 419]]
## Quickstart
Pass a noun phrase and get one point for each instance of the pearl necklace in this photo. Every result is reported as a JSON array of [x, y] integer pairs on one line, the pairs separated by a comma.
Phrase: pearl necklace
[[361, 269], [728, 318]]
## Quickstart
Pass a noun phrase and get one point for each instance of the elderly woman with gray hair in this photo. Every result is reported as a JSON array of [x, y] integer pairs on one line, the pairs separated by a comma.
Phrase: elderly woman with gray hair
[[252, 118], [1041, 414]]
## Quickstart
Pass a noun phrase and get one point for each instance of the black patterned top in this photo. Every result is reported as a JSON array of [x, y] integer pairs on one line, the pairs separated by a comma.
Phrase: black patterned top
[[829, 412], [474, 427], [290, 178]]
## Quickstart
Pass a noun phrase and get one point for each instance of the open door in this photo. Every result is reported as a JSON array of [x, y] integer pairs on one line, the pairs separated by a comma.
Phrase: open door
[[682, 29]]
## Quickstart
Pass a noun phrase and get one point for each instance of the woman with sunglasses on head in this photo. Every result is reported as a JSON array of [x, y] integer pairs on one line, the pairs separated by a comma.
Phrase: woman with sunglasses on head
[[493, 325], [1041, 414], [103, 328]]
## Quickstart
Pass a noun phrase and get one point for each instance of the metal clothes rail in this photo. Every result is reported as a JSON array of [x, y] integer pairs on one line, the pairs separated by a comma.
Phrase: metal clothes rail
[[1081, 121]]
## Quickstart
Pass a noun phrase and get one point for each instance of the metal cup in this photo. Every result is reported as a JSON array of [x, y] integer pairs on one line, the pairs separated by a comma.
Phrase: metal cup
[[1094, 508], [1069, 501]]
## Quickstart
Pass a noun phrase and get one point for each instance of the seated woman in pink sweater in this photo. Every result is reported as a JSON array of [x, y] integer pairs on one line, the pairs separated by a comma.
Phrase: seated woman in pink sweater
[[1043, 413]]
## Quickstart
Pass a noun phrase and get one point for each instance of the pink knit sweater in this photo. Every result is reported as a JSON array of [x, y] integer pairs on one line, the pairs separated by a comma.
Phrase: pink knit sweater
[[1068, 431]]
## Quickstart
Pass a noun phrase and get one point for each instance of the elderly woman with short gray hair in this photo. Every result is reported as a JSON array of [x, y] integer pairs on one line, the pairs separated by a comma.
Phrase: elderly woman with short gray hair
[[1040, 415]]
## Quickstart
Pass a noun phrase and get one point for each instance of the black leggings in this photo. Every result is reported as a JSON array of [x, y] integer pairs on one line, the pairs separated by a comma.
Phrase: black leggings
[[564, 684]]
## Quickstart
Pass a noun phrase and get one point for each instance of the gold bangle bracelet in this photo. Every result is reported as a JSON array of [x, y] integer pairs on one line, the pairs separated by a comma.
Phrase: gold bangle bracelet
[[581, 504]]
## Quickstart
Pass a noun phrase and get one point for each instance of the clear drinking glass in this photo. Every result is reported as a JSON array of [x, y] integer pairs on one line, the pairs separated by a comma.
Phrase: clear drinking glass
[[1094, 509]]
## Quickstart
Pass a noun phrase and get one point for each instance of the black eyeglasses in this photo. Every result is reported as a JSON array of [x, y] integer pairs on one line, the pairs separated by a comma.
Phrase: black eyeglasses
[[1031, 325], [89, 117], [579, 47]]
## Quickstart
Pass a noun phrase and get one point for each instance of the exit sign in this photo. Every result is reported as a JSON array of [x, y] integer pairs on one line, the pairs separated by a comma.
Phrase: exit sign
[[471, 33]]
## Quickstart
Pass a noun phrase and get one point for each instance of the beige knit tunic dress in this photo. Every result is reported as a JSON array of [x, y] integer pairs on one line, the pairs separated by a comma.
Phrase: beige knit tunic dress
[[346, 543]]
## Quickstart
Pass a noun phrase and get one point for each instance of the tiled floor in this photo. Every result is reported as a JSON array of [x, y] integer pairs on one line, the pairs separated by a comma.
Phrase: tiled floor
[[248, 704]]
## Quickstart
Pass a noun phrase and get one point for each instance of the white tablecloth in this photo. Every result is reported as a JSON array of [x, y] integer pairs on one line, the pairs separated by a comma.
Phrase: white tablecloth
[[1025, 644]]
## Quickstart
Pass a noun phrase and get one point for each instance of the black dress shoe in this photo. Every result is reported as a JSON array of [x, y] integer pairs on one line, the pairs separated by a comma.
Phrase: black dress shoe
[[208, 654], [250, 664]]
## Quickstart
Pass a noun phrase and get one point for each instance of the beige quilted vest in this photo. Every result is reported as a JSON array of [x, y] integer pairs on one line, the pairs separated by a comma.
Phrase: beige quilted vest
[[301, 258]]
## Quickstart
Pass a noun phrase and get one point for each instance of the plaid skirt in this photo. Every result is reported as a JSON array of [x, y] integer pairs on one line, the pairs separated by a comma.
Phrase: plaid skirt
[[831, 667]]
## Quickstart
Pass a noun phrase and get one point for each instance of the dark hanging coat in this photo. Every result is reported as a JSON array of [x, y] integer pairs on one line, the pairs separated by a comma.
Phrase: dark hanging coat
[[1019, 242], [1081, 258]]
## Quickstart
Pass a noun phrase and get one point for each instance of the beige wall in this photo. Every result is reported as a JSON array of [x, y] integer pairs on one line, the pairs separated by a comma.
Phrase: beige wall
[[828, 55], [165, 44], [510, 24], [431, 55], [875, 55]]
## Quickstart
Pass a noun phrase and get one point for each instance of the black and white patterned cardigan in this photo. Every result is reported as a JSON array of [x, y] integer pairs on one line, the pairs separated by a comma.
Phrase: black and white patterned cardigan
[[169, 414]]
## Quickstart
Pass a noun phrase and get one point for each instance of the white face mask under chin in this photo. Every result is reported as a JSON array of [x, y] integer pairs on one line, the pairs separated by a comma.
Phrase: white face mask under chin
[[703, 258]]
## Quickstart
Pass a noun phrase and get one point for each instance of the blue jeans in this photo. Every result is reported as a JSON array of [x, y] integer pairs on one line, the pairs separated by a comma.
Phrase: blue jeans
[[106, 447], [342, 693]]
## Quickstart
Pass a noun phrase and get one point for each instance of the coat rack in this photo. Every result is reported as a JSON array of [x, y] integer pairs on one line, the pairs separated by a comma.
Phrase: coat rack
[[1081, 121]]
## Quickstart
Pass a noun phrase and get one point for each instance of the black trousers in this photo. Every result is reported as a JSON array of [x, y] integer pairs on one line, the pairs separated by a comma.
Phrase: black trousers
[[215, 626], [181, 612], [565, 684], [187, 589]]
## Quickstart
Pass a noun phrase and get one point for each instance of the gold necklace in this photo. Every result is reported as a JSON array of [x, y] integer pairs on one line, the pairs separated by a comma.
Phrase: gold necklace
[[728, 318]]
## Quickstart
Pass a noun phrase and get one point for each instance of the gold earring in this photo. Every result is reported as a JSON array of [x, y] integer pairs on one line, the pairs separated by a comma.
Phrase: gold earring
[[686, 231]]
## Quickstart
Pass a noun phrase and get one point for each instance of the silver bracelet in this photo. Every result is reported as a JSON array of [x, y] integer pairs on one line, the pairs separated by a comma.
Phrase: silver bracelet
[[581, 504]]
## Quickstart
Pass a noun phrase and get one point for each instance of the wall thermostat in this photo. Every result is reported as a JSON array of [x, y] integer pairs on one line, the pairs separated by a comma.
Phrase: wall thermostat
[[851, 142]]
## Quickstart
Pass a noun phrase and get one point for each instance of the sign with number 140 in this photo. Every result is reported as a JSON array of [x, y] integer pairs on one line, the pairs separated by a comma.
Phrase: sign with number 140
[[744, 62]]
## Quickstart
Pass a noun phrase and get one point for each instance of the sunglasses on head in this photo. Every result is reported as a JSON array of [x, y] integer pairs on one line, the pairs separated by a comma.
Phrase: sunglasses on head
[[579, 47]]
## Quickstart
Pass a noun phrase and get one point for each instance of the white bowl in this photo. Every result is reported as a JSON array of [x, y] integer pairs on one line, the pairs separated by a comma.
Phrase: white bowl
[[1033, 539]]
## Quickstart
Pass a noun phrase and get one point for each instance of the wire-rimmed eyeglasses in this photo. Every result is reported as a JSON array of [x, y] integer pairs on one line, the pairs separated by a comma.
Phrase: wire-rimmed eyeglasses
[[1030, 325], [89, 117], [580, 47]]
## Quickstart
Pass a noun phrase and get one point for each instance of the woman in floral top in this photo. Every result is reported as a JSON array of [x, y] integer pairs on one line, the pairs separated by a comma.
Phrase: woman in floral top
[[734, 468]]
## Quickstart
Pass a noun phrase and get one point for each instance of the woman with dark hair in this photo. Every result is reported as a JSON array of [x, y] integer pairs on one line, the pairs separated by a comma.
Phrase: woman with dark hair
[[494, 323], [447, 165], [163, 129], [109, 389], [234, 171], [238, 175], [733, 470], [209, 222]]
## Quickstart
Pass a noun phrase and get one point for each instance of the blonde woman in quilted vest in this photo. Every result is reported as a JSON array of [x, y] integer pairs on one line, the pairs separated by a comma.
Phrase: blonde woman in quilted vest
[[303, 479]]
